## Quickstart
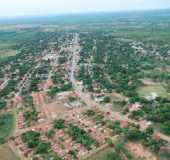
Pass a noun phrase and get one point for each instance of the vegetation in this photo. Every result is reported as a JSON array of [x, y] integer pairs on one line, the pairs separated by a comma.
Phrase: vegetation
[[50, 133], [118, 55], [59, 124], [54, 90], [6, 125], [62, 60], [80, 136], [145, 137], [156, 88], [2, 103], [30, 113], [72, 99], [33, 141]]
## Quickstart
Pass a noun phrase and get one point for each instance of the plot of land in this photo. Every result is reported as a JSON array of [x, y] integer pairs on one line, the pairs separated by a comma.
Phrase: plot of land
[[153, 88], [7, 154], [140, 151], [102, 155], [7, 53]]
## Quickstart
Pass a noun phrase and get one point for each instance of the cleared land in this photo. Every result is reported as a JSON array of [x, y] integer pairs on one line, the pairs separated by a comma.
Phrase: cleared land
[[7, 53], [154, 88], [7, 154]]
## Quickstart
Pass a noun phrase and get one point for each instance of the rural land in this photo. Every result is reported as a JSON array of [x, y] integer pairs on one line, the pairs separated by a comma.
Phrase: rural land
[[85, 87]]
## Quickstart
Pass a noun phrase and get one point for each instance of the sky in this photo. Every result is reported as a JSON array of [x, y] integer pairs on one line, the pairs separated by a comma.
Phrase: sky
[[13, 8]]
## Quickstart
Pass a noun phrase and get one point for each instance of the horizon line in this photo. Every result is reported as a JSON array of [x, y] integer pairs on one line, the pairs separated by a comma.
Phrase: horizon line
[[79, 13]]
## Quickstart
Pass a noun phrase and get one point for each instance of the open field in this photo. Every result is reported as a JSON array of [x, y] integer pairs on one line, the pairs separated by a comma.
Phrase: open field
[[6, 153], [154, 88], [7, 53], [6, 125], [102, 155]]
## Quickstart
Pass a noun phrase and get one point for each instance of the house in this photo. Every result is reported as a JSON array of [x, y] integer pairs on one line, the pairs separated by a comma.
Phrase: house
[[135, 107], [144, 124]]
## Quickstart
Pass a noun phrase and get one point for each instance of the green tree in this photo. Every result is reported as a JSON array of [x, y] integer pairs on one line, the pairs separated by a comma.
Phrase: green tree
[[59, 124], [2, 103]]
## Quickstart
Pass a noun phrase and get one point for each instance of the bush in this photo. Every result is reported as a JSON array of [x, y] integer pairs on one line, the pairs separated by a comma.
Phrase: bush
[[50, 133], [42, 147]]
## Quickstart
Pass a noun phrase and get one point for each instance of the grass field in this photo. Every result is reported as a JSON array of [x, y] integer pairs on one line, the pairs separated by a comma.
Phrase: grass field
[[6, 126], [154, 88]]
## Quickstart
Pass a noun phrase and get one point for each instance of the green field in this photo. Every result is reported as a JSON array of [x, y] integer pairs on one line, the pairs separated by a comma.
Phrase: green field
[[6, 45], [6, 126], [155, 88]]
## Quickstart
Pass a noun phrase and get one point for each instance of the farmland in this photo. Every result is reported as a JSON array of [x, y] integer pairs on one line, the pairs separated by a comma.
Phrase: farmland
[[86, 87]]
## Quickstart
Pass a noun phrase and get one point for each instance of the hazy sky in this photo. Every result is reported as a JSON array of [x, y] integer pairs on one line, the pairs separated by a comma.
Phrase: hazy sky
[[38, 7]]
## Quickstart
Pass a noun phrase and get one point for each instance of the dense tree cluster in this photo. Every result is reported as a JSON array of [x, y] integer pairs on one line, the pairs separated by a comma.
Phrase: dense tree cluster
[[59, 124], [32, 140], [30, 112], [80, 136]]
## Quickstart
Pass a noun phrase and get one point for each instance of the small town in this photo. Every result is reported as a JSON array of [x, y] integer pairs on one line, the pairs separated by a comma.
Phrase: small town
[[85, 87]]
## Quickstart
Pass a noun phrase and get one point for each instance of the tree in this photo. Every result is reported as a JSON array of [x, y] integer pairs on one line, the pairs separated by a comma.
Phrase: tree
[[134, 134], [59, 124], [53, 91], [42, 147], [113, 155], [50, 133], [80, 136], [106, 99], [31, 138], [165, 128]]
